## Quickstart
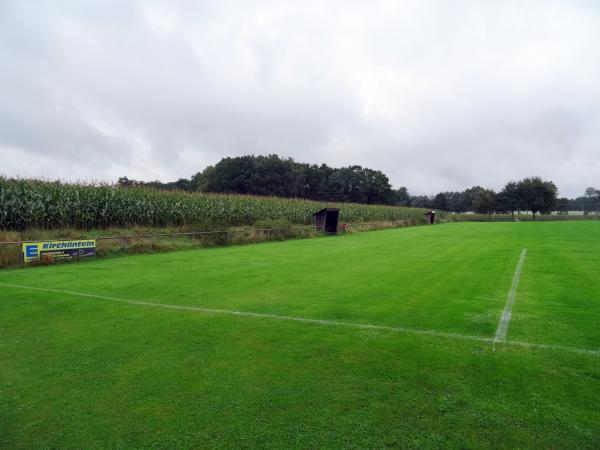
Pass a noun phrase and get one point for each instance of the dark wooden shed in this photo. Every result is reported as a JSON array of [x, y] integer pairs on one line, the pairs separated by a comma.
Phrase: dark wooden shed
[[430, 217], [327, 220]]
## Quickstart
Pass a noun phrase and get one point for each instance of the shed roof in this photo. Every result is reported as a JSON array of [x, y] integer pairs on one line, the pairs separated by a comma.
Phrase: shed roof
[[325, 209]]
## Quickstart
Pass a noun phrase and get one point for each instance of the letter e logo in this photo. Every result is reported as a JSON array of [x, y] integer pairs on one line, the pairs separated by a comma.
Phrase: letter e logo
[[31, 251]]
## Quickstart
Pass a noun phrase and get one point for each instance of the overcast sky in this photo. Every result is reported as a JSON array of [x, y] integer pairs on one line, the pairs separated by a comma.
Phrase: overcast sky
[[439, 95]]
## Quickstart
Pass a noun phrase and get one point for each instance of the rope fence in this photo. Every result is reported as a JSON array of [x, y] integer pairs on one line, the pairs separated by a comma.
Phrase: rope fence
[[11, 251]]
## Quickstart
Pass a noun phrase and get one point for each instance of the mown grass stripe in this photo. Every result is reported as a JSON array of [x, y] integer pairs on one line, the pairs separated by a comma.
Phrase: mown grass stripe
[[324, 322]]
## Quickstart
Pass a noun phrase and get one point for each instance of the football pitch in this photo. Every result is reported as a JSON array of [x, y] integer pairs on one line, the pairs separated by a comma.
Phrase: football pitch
[[463, 335]]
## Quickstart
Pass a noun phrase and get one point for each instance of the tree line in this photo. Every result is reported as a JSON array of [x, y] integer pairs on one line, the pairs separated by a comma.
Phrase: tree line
[[587, 203], [283, 177], [529, 194]]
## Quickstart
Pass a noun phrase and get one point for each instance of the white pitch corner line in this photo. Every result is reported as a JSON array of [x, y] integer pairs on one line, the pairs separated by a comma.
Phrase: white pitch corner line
[[510, 301], [323, 322]]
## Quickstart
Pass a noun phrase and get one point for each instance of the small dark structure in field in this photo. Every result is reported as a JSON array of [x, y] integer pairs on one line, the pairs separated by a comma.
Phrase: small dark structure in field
[[430, 216], [327, 219]]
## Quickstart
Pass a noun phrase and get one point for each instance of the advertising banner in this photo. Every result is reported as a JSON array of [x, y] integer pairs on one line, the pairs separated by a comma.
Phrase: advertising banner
[[51, 251]]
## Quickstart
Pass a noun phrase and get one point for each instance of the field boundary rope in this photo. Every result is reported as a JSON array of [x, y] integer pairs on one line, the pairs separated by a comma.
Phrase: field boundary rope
[[378, 225]]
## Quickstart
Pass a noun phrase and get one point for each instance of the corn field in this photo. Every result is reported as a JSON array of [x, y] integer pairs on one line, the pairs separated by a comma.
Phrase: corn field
[[35, 204]]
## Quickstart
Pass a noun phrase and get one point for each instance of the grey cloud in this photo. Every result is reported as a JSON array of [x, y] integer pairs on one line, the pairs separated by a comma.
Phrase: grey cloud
[[439, 95]]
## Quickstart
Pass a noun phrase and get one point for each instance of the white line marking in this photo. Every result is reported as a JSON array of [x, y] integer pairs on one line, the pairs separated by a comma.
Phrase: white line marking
[[323, 322], [510, 301]]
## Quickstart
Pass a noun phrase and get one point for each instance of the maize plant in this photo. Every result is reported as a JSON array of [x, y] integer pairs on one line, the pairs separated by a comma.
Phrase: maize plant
[[34, 204]]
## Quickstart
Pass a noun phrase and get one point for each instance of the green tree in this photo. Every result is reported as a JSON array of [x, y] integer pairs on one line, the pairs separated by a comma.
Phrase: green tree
[[537, 195], [126, 182], [204, 181], [272, 175], [315, 181], [440, 201], [360, 185], [508, 199], [402, 197], [421, 201], [463, 201], [455, 202], [562, 205], [376, 187], [485, 202]]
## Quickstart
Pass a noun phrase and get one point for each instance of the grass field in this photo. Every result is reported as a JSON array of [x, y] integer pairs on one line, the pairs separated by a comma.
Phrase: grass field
[[209, 348]]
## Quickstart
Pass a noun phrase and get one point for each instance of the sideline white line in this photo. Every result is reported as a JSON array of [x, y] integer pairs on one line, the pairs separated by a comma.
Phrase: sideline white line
[[323, 322], [510, 301]]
